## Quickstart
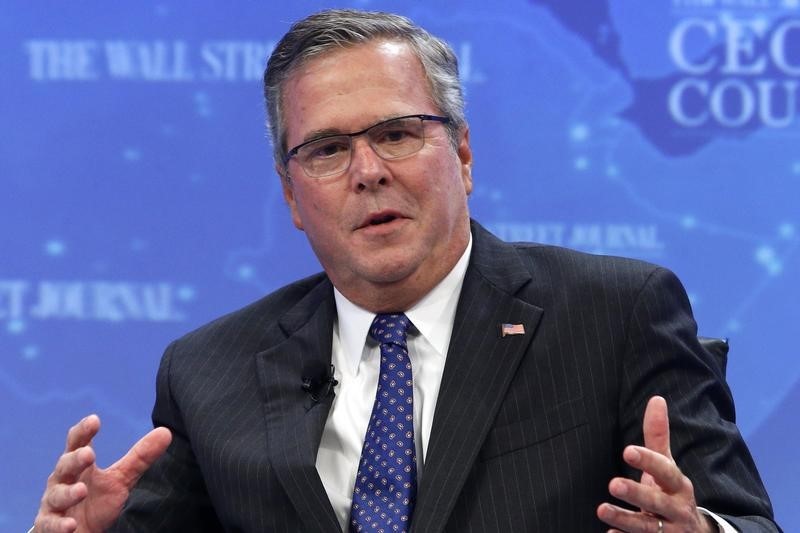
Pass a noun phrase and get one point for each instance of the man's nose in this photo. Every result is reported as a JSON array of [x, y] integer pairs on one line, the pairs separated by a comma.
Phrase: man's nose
[[367, 169]]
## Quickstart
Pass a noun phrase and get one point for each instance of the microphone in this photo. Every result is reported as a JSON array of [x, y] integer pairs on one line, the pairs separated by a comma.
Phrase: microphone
[[318, 380]]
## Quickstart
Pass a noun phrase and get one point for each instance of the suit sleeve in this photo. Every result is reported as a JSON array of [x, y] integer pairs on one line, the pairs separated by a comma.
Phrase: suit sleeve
[[663, 356], [171, 495]]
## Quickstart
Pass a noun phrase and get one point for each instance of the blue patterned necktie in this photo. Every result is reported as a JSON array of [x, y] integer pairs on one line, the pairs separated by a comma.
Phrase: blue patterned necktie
[[386, 482]]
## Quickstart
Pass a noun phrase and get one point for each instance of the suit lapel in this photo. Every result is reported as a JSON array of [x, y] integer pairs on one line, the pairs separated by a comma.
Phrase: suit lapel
[[480, 366], [294, 422]]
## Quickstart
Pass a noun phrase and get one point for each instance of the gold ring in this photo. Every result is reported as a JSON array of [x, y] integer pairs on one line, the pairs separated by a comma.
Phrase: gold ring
[[660, 526]]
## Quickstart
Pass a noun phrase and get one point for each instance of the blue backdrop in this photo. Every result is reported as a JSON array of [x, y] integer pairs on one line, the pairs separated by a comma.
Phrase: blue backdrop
[[138, 198]]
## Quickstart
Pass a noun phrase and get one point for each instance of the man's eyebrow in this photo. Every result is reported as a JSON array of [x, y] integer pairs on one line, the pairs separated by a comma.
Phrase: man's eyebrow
[[319, 134], [328, 132]]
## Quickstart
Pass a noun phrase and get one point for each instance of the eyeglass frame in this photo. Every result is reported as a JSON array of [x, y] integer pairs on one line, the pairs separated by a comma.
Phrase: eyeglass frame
[[423, 117]]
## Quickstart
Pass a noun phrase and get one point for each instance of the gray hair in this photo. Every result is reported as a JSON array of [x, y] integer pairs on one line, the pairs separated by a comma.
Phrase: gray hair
[[340, 28]]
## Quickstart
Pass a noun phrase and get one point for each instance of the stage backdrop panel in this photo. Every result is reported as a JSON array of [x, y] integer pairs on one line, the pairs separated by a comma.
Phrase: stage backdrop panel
[[138, 198]]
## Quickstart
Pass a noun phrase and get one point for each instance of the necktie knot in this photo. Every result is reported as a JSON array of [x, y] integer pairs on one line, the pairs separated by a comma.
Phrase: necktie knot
[[390, 329]]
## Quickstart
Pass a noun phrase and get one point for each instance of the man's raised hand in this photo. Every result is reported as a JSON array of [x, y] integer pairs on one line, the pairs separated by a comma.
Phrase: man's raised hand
[[664, 495], [80, 497]]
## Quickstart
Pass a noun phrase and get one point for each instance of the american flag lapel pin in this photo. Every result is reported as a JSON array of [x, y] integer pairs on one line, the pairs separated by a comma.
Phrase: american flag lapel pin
[[511, 329]]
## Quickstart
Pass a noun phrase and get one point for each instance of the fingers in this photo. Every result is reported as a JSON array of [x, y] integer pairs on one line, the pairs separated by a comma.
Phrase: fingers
[[671, 497], [626, 520], [652, 500], [63, 490], [57, 499], [656, 426], [664, 495], [62, 496], [662, 470], [681, 517], [143, 454], [54, 524], [71, 465], [82, 433], [75, 473]]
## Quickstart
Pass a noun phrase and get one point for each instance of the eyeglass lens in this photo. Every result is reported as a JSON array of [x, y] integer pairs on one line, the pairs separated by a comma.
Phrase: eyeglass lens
[[392, 139]]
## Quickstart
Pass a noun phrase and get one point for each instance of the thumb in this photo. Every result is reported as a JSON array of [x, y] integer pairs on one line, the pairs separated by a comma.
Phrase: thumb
[[142, 455], [656, 426]]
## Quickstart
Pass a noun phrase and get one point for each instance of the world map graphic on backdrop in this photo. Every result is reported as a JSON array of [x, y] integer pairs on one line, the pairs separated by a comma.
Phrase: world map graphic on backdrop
[[729, 70], [718, 89], [139, 199]]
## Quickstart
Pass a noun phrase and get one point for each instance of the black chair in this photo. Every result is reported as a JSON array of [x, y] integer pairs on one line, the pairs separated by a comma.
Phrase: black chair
[[718, 348]]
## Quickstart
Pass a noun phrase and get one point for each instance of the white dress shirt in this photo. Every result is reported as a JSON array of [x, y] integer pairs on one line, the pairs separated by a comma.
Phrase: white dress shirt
[[356, 359]]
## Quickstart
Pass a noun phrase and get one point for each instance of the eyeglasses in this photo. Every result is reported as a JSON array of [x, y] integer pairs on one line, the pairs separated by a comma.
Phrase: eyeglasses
[[390, 139]]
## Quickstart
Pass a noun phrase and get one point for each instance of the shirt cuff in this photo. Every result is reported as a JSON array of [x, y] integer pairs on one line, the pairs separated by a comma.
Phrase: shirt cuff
[[722, 524]]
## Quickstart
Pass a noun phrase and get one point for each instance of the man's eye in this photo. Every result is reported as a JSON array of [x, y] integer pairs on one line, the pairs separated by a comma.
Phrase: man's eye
[[327, 149], [395, 135]]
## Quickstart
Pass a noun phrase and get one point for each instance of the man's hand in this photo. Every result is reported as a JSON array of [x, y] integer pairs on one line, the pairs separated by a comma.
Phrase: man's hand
[[83, 498], [664, 495]]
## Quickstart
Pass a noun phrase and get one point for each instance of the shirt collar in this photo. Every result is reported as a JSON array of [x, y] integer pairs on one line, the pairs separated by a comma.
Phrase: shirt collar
[[433, 315]]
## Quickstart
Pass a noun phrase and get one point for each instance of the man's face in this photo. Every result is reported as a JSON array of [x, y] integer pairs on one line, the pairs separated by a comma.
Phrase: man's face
[[381, 229]]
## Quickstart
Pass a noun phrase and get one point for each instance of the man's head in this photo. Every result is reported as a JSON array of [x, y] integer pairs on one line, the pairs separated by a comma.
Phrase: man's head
[[333, 29], [383, 206]]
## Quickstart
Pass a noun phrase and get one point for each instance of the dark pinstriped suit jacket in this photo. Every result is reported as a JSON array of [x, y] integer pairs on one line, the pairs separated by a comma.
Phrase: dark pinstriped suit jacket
[[528, 429]]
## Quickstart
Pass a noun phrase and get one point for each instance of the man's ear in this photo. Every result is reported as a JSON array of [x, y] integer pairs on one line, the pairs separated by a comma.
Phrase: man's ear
[[289, 196], [464, 152]]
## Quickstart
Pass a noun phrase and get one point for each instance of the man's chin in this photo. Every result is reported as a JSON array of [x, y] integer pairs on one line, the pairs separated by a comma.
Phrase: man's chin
[[387, 274]]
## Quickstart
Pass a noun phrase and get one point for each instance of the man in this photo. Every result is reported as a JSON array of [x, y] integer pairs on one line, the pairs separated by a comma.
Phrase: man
[[539, 374]]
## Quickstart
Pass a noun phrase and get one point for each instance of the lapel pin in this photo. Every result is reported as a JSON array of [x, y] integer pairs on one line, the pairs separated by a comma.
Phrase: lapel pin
[[511, 329]]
